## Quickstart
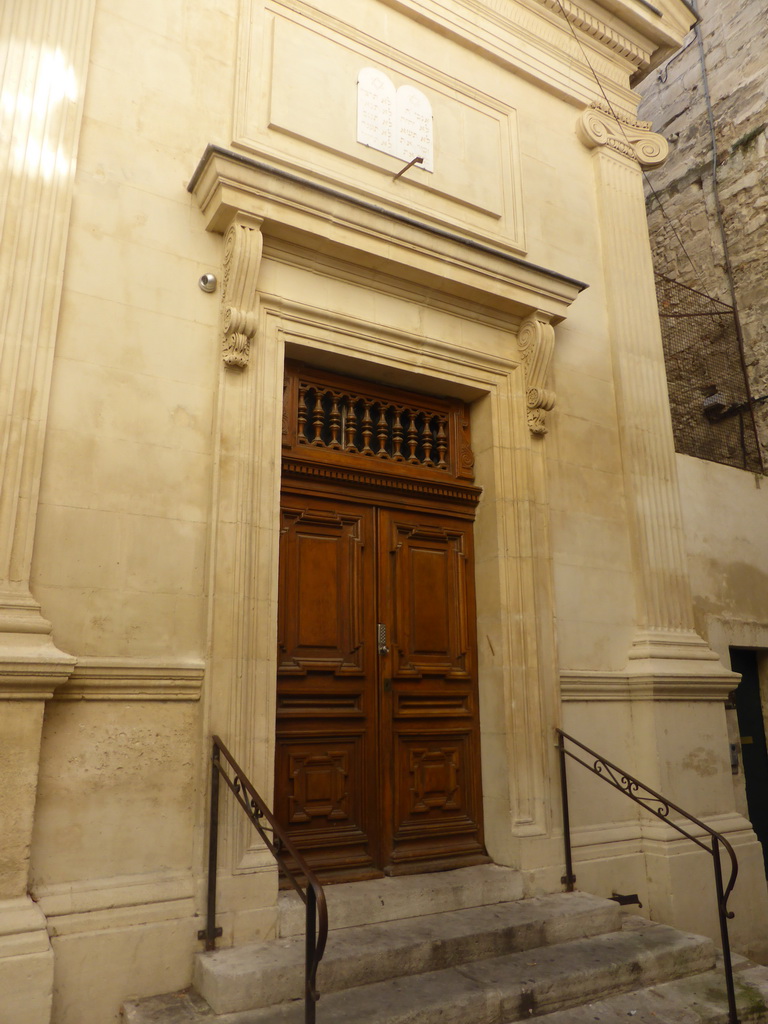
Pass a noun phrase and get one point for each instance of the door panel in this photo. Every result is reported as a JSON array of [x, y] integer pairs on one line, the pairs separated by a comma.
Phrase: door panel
[[323, 596], [326, 692], [430, 735], [377, 765]]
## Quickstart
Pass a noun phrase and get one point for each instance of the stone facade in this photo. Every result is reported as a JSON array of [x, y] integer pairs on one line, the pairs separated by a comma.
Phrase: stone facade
[[152, 144], [673, 98]]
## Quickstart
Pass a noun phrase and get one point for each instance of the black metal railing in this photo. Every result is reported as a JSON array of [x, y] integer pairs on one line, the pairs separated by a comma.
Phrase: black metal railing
[[659, 806], [277, 842]]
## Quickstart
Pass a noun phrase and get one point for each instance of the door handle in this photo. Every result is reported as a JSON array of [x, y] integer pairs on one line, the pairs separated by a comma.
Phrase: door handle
[[381, 638]]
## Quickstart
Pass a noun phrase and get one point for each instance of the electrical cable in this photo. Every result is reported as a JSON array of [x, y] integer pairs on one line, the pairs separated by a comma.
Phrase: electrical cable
[[723, 235], [610, 106], [668, 219]]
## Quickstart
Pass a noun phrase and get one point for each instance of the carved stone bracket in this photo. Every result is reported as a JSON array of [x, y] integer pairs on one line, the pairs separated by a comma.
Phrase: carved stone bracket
[[598, 125], [239, 302], [536, 341]]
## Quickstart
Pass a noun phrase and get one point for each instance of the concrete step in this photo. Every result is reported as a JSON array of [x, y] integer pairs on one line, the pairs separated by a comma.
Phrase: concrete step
[[511, 987], [405, 896], [271, 972]]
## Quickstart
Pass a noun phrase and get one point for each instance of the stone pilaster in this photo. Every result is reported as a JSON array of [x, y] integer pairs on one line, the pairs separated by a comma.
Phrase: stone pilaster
[[666, 652], [674, 681], [46, 47]]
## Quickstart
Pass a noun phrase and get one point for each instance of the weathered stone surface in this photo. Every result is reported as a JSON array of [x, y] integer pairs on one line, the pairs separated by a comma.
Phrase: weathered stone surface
[[270, 972], [511, 987], [390, 899], [681, 199]]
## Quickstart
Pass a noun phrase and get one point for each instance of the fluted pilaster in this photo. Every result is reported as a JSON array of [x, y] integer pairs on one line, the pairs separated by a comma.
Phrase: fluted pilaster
[[665, 640], [46, 45]]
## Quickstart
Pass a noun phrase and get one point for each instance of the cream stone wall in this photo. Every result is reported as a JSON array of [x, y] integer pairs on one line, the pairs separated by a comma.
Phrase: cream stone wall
[[220, 138], [725, 512]]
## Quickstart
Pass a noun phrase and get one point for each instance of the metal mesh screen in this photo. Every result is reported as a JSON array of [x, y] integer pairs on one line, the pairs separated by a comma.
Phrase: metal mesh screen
[[708, 394]]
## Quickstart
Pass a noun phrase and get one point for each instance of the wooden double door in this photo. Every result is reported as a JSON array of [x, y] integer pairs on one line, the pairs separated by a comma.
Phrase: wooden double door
[[377, 751]]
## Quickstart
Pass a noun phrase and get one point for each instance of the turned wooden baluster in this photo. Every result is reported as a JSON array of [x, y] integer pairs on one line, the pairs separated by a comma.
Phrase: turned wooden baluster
[[317, 420], [442, 444], [367, 429], [413, 438], [302, 415], [382, 433], [350, 426], [427, 441], [397, 436], [335, 421]]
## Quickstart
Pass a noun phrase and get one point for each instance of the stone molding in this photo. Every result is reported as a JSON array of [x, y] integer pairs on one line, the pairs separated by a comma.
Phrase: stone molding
[[633, 834], [23, 928], [133, 679], [243, 246], [31, 666], [599, 125], [600, 31], [536, 341], [120, 901], [658, 685]]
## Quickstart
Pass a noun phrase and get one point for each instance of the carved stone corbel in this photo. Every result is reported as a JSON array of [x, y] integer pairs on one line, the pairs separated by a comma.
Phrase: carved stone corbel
[[536, 342], [239, 301], [598, 125]]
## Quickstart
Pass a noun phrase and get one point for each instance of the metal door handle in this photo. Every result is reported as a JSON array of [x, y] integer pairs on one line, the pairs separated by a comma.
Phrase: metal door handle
[[381, 638]]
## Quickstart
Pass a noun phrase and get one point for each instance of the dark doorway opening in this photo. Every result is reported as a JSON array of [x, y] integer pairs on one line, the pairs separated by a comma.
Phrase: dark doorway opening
[[754, 753]]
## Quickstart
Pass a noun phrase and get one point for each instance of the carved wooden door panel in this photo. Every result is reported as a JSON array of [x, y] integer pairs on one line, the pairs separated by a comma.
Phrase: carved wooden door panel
[[429, 727], [377, 764], [326, 770]]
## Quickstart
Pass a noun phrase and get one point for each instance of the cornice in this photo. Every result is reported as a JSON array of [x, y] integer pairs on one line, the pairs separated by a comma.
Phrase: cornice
[[294, 207], [601, 31], [646, 33]]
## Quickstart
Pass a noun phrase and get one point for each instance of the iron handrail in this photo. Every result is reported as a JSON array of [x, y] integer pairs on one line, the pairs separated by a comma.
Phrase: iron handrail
[[276, 841], [661, 807]]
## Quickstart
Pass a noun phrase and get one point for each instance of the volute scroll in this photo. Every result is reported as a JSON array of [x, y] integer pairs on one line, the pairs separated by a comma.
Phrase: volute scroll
[[536, 342], [243, 247], [600, 125]]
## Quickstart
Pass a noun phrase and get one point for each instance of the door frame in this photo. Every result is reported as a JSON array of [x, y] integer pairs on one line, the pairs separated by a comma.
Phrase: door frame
[[517, 671]]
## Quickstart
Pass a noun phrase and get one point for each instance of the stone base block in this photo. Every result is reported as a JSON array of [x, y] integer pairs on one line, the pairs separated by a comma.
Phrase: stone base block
[[26, 964]]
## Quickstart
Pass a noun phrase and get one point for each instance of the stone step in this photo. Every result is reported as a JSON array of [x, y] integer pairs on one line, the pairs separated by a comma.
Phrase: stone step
[[501, 989], [698, 999], [265, 973], [404, 896]]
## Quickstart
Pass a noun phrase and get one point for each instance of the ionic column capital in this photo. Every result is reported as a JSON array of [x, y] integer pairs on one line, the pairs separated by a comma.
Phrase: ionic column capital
[[598, 125]]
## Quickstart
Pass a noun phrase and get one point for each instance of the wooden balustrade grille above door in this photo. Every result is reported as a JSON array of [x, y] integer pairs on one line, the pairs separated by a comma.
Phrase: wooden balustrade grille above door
[[337, 421]]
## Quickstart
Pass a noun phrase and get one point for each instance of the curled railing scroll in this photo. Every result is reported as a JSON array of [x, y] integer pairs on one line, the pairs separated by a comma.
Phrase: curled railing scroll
[[658, 805], [305, 882]]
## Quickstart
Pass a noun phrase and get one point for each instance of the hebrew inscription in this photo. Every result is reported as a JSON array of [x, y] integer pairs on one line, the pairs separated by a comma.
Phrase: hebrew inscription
[[394, 121]]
